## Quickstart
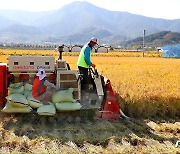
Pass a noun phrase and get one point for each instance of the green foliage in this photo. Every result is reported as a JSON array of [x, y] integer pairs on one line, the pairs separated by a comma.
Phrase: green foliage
[[157, 39]]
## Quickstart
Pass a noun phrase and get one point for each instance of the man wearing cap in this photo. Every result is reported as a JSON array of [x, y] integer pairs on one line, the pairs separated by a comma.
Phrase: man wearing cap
[[42, 89], [84, 60]]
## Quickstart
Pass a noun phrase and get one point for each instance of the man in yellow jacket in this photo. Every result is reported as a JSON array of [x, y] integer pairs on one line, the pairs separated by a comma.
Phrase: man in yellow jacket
[[84, 60]]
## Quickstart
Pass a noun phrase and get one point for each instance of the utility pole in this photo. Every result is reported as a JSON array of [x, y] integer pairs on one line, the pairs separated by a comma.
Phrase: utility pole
[[144, 31]]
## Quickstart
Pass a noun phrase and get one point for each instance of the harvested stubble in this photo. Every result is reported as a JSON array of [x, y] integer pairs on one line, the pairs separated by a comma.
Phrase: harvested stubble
[[136, 136]]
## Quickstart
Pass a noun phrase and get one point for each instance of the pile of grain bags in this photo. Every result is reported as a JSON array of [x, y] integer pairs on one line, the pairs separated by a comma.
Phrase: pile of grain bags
[[16, 101], [64, 100], [20, 100]]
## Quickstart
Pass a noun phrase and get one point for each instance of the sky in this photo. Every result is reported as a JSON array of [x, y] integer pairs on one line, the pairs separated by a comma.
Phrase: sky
[[166, 9]]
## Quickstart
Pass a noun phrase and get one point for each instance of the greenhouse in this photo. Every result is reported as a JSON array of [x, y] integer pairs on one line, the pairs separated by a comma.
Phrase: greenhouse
[[171, 51]]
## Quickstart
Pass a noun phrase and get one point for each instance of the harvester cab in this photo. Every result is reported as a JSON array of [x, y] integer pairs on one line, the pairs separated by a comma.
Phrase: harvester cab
[[97, 97]]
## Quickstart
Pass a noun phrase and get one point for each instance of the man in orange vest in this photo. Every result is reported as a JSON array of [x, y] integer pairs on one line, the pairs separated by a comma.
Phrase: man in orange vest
[[42, 89]]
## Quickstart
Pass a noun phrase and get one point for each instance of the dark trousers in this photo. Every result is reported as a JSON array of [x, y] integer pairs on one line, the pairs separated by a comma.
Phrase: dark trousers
[[84, 72]]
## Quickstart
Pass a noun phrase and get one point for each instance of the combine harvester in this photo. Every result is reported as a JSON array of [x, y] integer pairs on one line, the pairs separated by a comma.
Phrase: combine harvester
[[98, 100]]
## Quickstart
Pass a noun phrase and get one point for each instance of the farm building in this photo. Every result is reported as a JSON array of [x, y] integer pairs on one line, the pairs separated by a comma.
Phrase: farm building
[[171, 51], [102, 49], [76, 48], [66, 48]]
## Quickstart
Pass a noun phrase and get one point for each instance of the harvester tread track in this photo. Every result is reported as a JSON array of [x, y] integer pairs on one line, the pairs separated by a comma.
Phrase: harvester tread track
[[80, 116]]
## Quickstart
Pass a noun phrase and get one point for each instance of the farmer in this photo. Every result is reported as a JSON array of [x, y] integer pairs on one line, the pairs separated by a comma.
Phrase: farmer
[[42, 89], [84, 60]]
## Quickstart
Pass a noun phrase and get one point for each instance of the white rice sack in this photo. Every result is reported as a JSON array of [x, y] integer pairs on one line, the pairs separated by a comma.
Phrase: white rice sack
[[34, 103], [18, 98], [63, 96], [68, 106], [28, 86], [47, 110], [10, 109], [18, 104], [16, 85], [28, 93], [17, 90], [28, 90]]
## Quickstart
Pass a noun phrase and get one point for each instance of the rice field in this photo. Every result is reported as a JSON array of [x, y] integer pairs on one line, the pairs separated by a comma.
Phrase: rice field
[[145, 87], [148, 91]]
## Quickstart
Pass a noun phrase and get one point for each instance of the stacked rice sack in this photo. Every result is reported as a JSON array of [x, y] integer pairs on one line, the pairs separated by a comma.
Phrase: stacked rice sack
[[17, 98], [48, 110], [20, 100], [64, 100]]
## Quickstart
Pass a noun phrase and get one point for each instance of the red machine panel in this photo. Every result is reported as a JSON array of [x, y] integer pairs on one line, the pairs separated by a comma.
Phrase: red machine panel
[[3, 83], [111, 105]]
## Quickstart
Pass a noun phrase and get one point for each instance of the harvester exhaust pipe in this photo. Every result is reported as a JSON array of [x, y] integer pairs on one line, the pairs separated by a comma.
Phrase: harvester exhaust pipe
[[61, 50]]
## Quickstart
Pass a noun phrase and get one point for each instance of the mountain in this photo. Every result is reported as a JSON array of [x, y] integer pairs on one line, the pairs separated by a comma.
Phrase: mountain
[[154, 40], [20, 33], [6, 22], [22, 17], [77, 22]]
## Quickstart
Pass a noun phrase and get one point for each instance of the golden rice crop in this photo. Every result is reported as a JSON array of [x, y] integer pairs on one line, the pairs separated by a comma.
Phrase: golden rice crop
[[111, 53], [148, 86]]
